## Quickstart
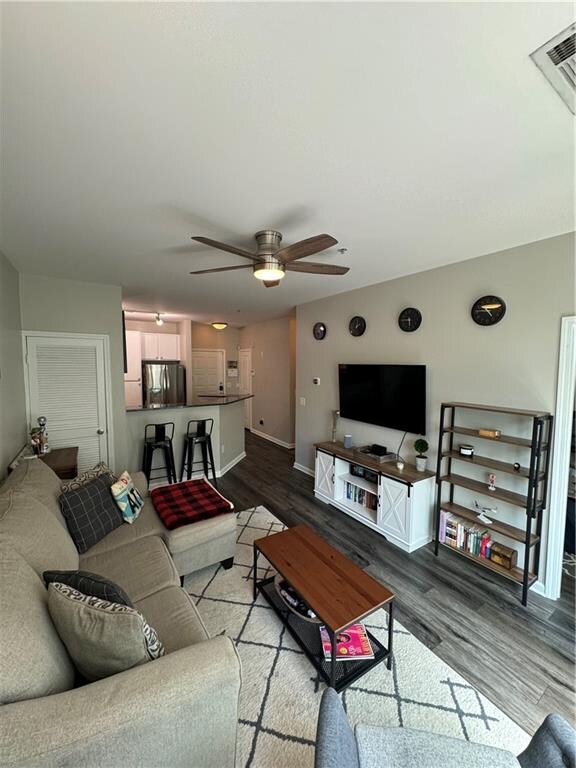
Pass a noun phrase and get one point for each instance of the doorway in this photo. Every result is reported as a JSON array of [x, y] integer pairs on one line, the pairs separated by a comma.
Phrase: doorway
[[208, 372], [245, 383], [67, 378]]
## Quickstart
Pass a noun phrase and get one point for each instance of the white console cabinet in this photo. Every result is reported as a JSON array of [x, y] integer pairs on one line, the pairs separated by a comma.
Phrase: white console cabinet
[[396, 503]]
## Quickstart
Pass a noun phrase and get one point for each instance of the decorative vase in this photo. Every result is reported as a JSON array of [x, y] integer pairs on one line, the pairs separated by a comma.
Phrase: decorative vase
[[421, 463]]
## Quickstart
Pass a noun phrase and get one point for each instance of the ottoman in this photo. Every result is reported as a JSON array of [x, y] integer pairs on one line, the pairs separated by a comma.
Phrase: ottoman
[[199, 525]]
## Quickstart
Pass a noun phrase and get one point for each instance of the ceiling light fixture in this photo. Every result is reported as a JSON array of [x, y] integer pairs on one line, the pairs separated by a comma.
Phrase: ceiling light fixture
[[219, 326], [269, 270], [159, 320]]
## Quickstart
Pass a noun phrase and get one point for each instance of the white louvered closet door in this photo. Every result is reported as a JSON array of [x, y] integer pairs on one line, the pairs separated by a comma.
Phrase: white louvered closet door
[[66, 384]]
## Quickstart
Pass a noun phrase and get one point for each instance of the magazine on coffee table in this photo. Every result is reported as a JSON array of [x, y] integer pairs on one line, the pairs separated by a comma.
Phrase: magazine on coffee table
[[352, 644]]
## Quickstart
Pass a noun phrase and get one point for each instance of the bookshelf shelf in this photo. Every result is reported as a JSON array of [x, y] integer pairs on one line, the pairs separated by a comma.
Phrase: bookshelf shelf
[[534, 475], [360, 482]]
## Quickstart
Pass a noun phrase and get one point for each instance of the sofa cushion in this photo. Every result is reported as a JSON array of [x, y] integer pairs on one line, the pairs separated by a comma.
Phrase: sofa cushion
[[34, 660], [28, 526], [38, 481], [174, 616], [89, 584], [102, 638], [141, 568], [147, 524], [408, 748], [90, 512]]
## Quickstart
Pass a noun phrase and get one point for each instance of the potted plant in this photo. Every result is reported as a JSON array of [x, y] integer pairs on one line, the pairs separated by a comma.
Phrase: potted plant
[[421, 446]]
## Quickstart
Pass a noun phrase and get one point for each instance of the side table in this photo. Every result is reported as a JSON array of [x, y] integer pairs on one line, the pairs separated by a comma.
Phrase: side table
[[63, 461]]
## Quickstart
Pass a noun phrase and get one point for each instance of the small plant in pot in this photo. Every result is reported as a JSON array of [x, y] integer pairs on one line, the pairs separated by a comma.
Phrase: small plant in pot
[[421, 446]]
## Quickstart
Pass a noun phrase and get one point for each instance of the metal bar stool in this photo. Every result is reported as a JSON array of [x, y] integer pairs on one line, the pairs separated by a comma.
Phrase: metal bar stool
[[198, 432], [159, 437]]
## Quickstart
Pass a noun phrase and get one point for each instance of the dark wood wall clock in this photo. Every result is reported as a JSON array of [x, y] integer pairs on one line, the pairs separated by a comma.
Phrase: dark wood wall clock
[[319, 331], [488, 310], [357, 325], [410, 319]]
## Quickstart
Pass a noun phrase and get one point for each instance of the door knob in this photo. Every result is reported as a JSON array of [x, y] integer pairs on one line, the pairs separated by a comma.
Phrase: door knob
[[100, 431]]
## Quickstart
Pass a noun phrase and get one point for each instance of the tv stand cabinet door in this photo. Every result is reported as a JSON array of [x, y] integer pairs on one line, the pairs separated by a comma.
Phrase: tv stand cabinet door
[[324, 476], [394, 511]]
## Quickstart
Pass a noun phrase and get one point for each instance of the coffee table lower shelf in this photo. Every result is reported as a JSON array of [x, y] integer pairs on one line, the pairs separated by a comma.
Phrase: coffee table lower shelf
[[307, 635]]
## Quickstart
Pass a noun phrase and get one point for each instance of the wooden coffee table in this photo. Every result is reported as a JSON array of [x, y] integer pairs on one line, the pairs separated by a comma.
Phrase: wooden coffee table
[[339, 593]]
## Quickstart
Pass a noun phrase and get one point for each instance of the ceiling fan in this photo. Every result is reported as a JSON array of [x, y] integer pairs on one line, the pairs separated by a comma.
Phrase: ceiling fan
[[270, 262]]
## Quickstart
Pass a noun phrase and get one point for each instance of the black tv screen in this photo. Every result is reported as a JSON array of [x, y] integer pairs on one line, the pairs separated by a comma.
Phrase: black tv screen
[[392, 396]]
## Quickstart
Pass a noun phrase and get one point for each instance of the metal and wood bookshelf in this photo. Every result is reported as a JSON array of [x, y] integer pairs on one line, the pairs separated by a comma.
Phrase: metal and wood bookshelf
[[535, 472]]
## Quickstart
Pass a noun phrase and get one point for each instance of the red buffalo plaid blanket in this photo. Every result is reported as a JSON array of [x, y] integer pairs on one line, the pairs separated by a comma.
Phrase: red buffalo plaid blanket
[[184, 503]]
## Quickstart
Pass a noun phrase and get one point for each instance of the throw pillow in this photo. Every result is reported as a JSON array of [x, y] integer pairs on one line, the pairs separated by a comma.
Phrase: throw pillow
[[85, 477], [90, 512], [102, 638], [127, 498], [89, 584]]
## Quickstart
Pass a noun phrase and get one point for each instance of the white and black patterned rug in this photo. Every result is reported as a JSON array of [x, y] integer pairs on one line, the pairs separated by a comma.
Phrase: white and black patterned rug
[[280, 688]]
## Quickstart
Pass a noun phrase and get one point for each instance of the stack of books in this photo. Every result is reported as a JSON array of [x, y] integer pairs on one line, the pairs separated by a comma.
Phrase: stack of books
[[360, 496], [353, 644], [461, 534]]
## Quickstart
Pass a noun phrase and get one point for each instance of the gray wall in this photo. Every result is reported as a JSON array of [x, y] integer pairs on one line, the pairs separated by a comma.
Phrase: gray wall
[[273, 381], [66, 306], [513, 363], [13, 428]]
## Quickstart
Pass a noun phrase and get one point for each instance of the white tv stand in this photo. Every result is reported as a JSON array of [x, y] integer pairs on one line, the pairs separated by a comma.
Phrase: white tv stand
[[396, 503]]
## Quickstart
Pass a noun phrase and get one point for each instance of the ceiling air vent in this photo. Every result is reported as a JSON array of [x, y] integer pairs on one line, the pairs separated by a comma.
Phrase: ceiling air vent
[[557, 61]]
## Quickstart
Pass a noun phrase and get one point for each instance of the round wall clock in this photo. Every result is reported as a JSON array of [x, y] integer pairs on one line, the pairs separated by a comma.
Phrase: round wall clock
[[410, 319], [488, 310], [319, 331], [357, 325]]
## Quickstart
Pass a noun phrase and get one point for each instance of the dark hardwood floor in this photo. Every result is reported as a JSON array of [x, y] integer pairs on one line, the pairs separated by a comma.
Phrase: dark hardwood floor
[[522, 659]]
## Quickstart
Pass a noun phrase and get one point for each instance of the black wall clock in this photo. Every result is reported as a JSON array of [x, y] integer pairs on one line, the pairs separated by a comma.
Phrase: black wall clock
[[488, 310], [319, 331], [357, 325], [410, 319]]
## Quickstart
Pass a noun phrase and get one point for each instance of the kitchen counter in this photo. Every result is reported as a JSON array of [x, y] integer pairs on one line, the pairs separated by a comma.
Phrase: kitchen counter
[[198, 402], [227, 413]]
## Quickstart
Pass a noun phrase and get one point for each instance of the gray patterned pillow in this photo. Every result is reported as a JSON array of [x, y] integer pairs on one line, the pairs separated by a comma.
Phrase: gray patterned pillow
[[89, 584], [90, 512], [85, 477], [102, 638]]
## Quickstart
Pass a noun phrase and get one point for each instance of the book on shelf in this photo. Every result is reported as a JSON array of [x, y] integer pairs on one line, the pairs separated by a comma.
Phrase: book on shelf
[[461, 534], [360, 496], [353, 644]]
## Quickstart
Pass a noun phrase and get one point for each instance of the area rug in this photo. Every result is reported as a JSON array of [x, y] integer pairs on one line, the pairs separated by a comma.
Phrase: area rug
[[280, 688]]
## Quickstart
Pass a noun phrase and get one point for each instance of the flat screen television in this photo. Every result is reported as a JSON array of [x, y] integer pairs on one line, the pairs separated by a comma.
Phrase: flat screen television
[[392, 396]]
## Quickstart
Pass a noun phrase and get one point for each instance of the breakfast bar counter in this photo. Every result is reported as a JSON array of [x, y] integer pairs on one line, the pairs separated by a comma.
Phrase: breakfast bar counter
[[227, 411]]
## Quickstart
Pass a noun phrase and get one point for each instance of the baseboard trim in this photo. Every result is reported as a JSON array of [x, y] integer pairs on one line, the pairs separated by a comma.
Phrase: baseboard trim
[[302, 468], [228, 467], [275, 440]]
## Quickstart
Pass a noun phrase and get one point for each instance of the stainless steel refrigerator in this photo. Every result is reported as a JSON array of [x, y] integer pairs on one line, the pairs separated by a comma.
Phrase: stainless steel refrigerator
[[163, 384]]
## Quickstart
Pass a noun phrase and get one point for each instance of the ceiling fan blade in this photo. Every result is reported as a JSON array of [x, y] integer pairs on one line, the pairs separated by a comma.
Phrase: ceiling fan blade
[[225, 247], [317, 269], [305, 248], [271, 283], [220, 269]]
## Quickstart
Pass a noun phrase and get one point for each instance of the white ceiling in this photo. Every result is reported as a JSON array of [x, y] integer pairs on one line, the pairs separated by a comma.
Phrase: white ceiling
[[416, 134]]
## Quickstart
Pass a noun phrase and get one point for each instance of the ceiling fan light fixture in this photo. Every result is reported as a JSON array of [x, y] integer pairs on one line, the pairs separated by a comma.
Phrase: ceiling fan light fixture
[[159, 320], [219, 326], [269, 270]]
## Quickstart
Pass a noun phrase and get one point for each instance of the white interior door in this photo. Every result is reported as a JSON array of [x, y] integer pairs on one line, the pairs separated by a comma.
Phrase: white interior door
[[245, 383], [208, 371], [67, 382]]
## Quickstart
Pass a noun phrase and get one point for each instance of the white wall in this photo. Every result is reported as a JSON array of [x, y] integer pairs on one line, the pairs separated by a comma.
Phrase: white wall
[[13, 428], [149, 326], [512, 364], [67, 306], [273, 352]]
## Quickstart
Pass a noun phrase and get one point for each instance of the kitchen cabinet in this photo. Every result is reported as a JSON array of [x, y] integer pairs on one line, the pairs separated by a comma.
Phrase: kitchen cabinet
[[160, 346]]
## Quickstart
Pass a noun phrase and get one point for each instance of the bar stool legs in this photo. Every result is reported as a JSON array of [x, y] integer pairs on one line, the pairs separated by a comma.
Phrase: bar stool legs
[[198, 432], [159, 437]]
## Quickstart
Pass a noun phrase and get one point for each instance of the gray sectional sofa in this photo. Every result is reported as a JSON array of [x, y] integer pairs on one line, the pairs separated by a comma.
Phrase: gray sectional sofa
[[179, 710]]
